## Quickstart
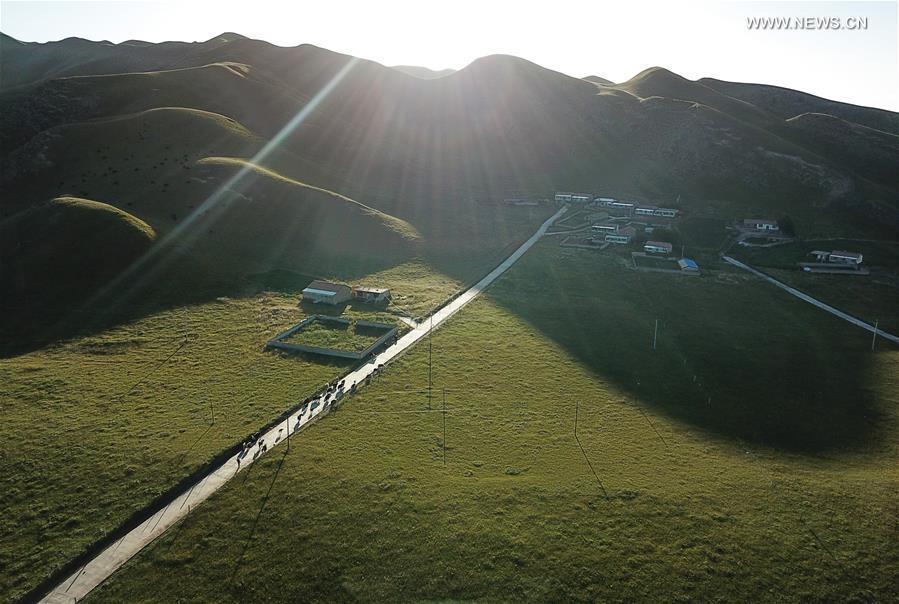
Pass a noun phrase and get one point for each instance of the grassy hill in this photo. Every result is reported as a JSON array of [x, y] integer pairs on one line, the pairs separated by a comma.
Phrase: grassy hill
[[657, 81], [421, 149], [55, 253], [219, 219], [869, 152], [786, 103]]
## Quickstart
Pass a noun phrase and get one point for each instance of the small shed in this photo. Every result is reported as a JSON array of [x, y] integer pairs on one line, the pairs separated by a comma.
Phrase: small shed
[[839, 257], [372, 295], [688, 265], [325, 292]]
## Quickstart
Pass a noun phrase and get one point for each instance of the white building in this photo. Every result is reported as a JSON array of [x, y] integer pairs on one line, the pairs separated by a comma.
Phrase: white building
[[623, 236], [845, 258], [657, 247], [573, 198], [761, 224], [325, 292]]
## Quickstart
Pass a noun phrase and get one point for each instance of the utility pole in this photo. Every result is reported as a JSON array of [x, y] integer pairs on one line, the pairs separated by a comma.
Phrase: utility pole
[[430, 338], [576, 408], [874, 339], [655, 335], [444, 427], [212, 408]]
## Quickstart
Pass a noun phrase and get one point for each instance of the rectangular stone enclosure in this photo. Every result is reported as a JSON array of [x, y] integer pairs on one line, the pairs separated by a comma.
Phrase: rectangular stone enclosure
[[291, 340]]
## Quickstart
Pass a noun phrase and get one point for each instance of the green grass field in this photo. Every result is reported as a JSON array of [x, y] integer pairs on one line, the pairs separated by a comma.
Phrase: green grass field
[[329, 335], [117, 421], [751, 457], [879, 254], [873, 297], [661, 262]]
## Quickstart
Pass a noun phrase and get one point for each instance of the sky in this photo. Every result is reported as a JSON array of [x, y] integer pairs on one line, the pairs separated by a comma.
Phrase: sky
[[615, 40]]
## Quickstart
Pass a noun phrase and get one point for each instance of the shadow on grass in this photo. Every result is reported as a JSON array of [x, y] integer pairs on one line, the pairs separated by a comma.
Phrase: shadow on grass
[[30, 322], [737, 358], [265, 499]]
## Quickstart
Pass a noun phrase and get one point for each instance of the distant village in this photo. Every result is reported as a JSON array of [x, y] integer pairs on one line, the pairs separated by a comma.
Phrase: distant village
[[625, 223]]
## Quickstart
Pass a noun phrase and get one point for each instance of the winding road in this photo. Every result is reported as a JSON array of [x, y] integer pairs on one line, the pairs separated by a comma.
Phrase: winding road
[[102, 566]]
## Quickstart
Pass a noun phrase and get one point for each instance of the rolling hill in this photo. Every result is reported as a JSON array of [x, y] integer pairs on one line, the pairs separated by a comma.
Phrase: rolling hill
[[162, 131], [58, 251]]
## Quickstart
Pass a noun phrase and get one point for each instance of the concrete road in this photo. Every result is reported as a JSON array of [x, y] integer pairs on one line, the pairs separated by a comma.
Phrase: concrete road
[[807, 298], [100, 568]]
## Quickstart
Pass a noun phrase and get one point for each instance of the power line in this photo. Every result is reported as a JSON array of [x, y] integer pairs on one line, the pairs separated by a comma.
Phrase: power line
[[154, 370]]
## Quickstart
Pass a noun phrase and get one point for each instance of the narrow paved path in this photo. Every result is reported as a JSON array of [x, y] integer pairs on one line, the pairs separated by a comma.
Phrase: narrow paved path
[[807, 298], [100, 568]]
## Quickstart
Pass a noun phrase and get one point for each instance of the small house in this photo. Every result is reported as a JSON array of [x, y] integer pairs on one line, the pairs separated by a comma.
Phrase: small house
[[325, 292], [820, 255], [853, 258], [657, 247], [623, 236], [372, 295], [761, 224]]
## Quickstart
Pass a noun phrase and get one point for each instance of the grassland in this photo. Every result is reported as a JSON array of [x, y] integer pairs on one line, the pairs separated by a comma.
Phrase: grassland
[[330, 335], [657, 262], [880, 254], [121, 421], [751, 457], [873, 297]]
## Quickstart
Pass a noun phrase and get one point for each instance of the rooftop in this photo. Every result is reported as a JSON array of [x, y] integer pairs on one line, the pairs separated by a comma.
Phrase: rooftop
[[325, 286]]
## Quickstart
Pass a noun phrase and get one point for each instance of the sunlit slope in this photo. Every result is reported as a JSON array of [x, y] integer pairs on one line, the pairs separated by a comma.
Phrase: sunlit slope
[[60, 249], [270, 216]]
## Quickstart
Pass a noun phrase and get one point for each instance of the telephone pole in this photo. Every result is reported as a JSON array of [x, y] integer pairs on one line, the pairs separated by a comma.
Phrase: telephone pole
[[655, 335], [444, 427], [874, 339], [430, 347], [576, 408]]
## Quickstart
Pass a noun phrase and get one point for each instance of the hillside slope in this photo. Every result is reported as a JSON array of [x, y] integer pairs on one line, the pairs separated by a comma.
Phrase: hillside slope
[[786, 103], [57, 252], [426, 150]]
